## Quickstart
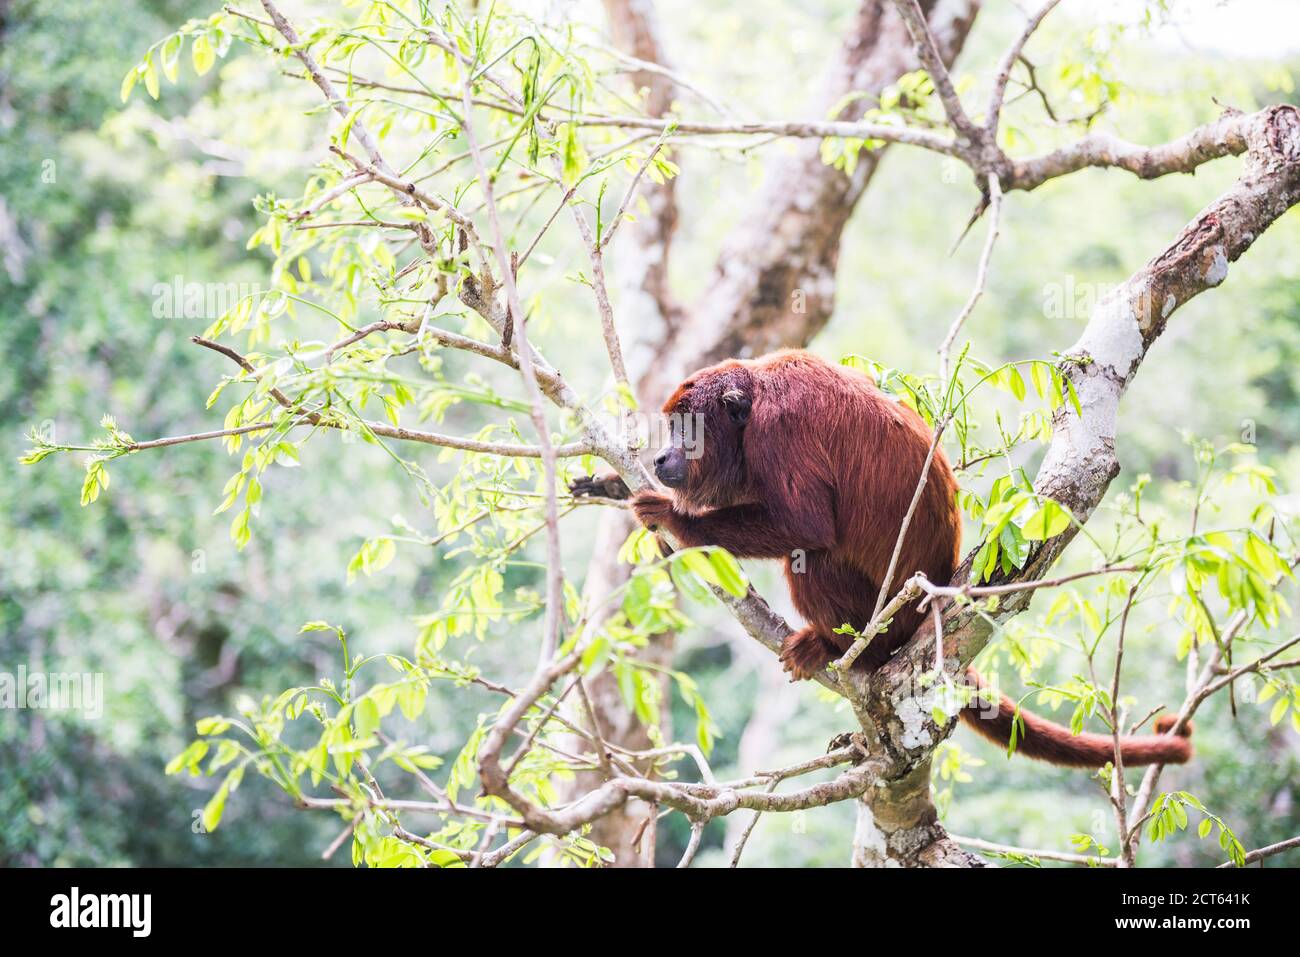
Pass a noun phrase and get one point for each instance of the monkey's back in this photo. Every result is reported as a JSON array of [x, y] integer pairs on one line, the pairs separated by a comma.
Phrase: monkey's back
[[871, 450]]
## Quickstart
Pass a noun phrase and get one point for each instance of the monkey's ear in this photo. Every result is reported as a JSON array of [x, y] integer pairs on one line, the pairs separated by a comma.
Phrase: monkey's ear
[[738, 405]]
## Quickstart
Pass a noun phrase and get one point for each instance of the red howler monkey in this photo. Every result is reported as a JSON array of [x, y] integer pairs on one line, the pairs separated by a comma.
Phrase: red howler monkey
[[809, 462]]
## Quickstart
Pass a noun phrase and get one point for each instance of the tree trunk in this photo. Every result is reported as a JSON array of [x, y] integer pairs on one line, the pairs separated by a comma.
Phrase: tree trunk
[[897, 827]]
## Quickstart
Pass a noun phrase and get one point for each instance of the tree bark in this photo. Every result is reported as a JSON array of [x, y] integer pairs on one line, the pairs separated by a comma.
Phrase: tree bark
[[897, 827]]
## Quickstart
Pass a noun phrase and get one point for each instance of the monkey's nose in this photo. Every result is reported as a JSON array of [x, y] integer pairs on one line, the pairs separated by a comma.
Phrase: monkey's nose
[[661, 458]]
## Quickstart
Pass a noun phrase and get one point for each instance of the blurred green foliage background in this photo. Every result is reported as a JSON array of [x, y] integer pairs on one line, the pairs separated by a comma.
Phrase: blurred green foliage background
[[99, 202]]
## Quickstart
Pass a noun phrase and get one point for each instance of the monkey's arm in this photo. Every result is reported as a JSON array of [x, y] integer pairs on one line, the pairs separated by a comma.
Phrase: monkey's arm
[[606, 485], [747, 531]]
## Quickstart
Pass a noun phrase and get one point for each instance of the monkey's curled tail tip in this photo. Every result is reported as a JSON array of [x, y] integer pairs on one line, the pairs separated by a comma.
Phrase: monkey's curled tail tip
[[1167, 721]]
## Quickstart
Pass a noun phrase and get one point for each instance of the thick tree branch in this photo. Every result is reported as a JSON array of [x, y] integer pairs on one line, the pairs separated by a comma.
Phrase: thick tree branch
[[1081, 459], [1226, 136]]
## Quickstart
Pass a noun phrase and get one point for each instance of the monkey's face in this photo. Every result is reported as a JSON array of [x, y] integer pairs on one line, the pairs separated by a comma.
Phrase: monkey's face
[[704, 462], [671, 466]]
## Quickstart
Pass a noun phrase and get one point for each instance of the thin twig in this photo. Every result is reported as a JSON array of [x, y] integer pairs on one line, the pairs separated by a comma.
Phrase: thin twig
[[1008, 62], [1118, 795], [992, 848], [693, 845], [554, 565], [981, 275]]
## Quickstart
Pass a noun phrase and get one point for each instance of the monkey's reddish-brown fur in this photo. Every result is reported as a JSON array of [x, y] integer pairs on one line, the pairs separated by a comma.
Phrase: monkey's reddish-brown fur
[[820, 475]]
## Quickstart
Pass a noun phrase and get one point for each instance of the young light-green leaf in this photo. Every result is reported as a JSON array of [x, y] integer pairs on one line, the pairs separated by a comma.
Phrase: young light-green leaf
[[1049, 521], [730, 577]]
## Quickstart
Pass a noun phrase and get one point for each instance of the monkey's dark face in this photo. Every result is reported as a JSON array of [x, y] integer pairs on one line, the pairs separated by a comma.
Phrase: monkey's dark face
[[704, 462], [670, 466]]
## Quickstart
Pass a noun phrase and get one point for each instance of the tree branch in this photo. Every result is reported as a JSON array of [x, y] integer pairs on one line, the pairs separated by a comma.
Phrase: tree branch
[[1263, 852], [1003, 76], [1081, 461], [928, 52]]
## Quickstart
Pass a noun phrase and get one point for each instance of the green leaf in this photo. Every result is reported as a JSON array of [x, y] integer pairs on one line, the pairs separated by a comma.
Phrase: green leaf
[[1015, 383], [346, 130], [202, 54], [227, 751], [96, 480], [699, 564], [1074, 397], [213, 810], [990, 559], [627, 553], [1048, 522], [241, 532], [1041, 375], [574, 156], [128, 83], [411, 700], [151, 77], [730, 577], [366, 717], [188, 759], [170, 56], [687, 584], [213, 725]]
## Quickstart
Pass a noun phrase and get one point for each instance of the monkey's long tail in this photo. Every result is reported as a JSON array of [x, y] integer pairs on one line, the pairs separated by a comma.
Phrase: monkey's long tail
[[1041, 739]]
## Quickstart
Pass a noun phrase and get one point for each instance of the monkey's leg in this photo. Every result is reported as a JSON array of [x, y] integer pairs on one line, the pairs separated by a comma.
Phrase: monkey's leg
[[807, 652]]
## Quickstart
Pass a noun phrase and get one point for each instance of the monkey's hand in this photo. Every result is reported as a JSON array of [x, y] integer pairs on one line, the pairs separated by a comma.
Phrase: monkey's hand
[[655, 511], [605, 485]]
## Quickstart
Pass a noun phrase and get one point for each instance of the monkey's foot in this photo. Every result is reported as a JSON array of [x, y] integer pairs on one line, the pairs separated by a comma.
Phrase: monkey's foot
[[805, 653], [607, 485]]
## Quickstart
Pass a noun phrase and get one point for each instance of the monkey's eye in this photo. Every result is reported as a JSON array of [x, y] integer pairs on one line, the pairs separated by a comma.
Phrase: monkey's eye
[[737, 405]]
